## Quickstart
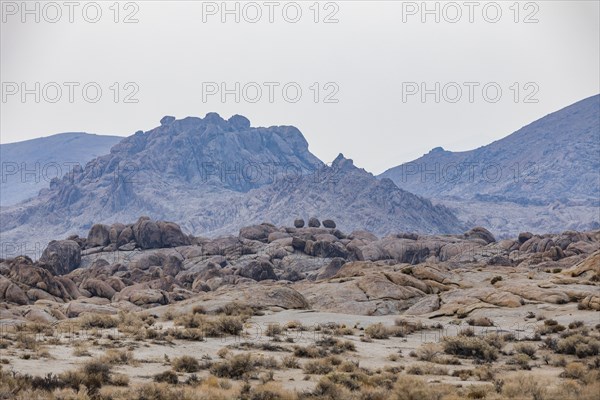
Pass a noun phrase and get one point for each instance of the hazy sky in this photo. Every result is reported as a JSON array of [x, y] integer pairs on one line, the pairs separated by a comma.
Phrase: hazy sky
[[373, 57]]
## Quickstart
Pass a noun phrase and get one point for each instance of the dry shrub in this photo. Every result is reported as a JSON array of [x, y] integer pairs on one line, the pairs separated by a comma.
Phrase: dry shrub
[[318, 367], [200, 325], [579, 345], [273, 330], [167, 377], [100, 321], [238, 309], [426, 369], [290, 362], [471, 347], [311, 351], [378, 331], [185, 364], [550, 326], [524, 385], [411, 388], [527, 349], [480, 321], [118, 357], [428, 352], [241, 365], [335, 346]]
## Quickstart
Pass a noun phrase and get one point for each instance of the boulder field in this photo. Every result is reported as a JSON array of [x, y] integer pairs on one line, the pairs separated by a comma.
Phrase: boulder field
[[310, 265]]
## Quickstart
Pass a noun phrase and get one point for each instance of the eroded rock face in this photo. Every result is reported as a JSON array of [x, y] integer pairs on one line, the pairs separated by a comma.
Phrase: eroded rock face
[[12, 293], [62, 256], [99, 235], [171, 235], [258, 270], [481, 233], [257, 232], [147, 233]]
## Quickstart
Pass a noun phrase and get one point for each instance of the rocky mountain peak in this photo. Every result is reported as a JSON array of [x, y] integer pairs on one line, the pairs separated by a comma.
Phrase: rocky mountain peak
[[213, 176]]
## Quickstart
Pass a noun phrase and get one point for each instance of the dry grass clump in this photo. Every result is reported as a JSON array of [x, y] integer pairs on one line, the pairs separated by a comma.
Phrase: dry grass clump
[[526, 349], [93, 375], [118, 357], [482, 349], [336, 346], [324, 347], [242, 365], [240, 310], [134, 323], [168, 376], [579, 345], [210, 326], [318, 367], [36, 327], [208, 389], [295, 325], [428, 352], [521, 360], [26, 341], [274, 329], [411, 388], [264, 346], [81, 350], [426, 369], [378, 331], [405, 327], [185, 364], [311, 351], [191, 334], [480, 321], [574, 370], [550, 326], [99, 321], [576, 325], [290, 362]]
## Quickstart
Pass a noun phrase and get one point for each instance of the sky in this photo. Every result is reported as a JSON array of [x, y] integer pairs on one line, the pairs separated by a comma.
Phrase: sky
[[381, 81]]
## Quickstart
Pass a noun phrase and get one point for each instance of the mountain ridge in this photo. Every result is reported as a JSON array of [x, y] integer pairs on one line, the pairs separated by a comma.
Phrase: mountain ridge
[[30, 165], [213, 176], [543, 177]]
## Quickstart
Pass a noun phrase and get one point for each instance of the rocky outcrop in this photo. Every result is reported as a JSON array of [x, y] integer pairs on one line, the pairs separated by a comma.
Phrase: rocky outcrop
[[99, 235], [320, 268], [61, 256], [258, 270], [257, 232]]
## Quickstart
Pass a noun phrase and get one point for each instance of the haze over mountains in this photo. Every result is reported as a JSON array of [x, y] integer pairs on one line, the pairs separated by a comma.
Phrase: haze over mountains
[[29, 166], [543, 177], [213, 176]]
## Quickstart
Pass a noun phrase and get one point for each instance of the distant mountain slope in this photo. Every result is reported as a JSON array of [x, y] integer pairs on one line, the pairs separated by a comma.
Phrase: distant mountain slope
[[554, 158], [29, 166], [551, 165], [354, 198], [214, 176]]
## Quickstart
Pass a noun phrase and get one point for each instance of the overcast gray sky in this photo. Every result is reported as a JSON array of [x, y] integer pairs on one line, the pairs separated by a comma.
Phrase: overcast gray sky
[[373, 57]]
